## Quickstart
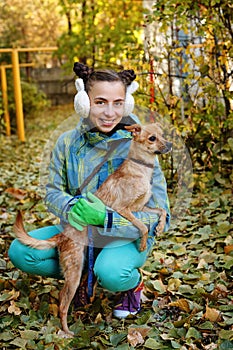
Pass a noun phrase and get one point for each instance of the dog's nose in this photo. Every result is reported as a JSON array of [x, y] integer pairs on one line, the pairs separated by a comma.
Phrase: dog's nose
[[169, 146]]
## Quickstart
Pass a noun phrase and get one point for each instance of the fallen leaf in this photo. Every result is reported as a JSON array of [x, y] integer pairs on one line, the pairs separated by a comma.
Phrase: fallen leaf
[[10, 295], [193, 333], [53, 309], [159, 286], [13, 309], [212, 314], [228, 249], [16, 192], [136, 335], [29, 334], [135, 338], [181, 304], [4, 216], [98, 318], [220, 291], [173, 284], [202, 264]]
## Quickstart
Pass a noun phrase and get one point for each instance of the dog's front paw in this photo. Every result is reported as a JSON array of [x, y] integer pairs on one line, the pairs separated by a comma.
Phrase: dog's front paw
[[161, 224], [67, 334], [160, 228], [143, 244]]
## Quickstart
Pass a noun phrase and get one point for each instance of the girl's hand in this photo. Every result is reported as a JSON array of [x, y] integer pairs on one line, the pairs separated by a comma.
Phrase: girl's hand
[[89, 212]]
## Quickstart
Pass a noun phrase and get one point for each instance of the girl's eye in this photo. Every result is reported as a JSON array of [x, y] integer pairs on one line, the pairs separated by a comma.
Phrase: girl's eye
[[152, 138]]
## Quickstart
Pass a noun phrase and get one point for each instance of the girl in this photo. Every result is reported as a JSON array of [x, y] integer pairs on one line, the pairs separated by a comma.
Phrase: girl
[[104, 103]]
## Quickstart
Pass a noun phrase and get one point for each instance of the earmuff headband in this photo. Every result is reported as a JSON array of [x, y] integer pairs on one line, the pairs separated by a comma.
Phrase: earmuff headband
[[82, 101]]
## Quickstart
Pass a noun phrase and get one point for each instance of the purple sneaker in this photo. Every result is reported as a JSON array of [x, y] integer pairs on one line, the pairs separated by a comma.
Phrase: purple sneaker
[[129, 303]]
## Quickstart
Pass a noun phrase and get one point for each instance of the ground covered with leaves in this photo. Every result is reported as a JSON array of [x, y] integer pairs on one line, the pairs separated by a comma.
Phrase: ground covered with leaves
[[188, 296]]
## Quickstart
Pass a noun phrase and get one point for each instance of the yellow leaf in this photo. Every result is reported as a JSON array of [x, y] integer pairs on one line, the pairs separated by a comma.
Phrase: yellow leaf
[[53, 309], [173, 284], [98, 318], [13, 309], [182, 304], [12, 294], [212, 314]]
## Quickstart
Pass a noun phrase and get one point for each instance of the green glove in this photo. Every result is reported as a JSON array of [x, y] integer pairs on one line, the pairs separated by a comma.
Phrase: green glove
[[73, 221], [89, 212]]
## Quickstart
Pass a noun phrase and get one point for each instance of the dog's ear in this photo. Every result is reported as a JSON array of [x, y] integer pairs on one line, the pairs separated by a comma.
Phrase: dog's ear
[[158, 125], [135, 129]]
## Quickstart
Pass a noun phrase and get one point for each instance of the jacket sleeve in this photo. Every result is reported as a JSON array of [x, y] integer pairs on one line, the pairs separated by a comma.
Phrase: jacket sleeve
[[58, 199], [118, 226]]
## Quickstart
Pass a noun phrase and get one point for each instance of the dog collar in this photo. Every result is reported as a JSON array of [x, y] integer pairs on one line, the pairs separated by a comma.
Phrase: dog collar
[[142, 163]]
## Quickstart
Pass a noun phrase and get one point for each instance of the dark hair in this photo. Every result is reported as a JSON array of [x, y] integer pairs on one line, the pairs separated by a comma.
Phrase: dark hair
[[90, 75]]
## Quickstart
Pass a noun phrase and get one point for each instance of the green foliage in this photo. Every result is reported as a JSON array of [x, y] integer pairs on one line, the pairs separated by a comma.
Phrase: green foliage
[[102, 33], [199, 56], [34, 100], [38, 25]]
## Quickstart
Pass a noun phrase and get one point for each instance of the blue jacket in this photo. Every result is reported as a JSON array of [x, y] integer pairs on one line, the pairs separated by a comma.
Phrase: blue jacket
[[75, 155]]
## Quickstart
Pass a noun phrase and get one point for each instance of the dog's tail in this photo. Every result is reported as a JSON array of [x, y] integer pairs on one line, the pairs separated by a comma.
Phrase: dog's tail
[[24, 237]]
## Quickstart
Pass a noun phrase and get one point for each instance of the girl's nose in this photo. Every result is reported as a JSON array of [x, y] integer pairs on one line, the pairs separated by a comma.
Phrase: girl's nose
[[109, 110]]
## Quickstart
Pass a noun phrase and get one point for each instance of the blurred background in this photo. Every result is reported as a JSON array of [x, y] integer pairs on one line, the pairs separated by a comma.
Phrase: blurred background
[[182, 53]]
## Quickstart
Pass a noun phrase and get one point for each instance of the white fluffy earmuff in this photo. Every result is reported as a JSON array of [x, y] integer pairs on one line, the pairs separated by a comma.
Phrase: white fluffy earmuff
[[82, 101], [129, 99]]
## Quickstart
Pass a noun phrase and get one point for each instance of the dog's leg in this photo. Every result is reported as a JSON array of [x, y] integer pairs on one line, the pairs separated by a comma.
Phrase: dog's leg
[[66, 295], [72, 260], [126, 213], [162, 218]]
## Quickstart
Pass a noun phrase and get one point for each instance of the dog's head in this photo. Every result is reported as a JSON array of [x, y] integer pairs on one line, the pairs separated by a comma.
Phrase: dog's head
[[151, 137]]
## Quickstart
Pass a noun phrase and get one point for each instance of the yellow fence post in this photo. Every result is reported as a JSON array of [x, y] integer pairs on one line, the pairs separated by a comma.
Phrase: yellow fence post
[[5, 101], [18, 95], [17, 86]]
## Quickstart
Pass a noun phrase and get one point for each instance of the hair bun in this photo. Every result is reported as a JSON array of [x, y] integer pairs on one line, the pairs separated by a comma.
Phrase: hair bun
[[127, 76], [82, 71]]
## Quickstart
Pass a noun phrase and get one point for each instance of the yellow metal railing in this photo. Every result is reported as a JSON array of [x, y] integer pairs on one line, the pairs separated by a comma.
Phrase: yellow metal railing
[[17, 87]]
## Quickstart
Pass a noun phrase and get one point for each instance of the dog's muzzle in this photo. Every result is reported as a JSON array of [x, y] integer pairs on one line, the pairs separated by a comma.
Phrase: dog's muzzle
[[167, 148]]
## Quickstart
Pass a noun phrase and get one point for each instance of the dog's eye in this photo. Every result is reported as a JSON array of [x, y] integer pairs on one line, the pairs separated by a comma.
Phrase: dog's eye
[[152, 138]]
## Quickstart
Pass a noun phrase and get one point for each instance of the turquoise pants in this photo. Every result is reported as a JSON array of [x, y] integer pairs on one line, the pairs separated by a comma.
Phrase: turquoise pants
[[116, 266]]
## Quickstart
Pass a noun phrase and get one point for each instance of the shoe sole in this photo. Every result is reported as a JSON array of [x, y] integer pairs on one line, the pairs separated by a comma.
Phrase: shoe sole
[[123, 314]]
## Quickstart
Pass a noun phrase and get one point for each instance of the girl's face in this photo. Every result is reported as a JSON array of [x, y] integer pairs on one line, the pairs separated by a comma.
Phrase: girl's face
[[107, 104]]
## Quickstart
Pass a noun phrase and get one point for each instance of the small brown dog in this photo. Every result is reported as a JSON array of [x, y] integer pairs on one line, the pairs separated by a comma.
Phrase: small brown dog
[[127, 189]]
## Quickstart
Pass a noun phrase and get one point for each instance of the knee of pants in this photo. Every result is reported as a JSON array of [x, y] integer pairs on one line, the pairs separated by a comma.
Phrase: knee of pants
[[116, 267], [35, 261], [118, 280], [18, 253]]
